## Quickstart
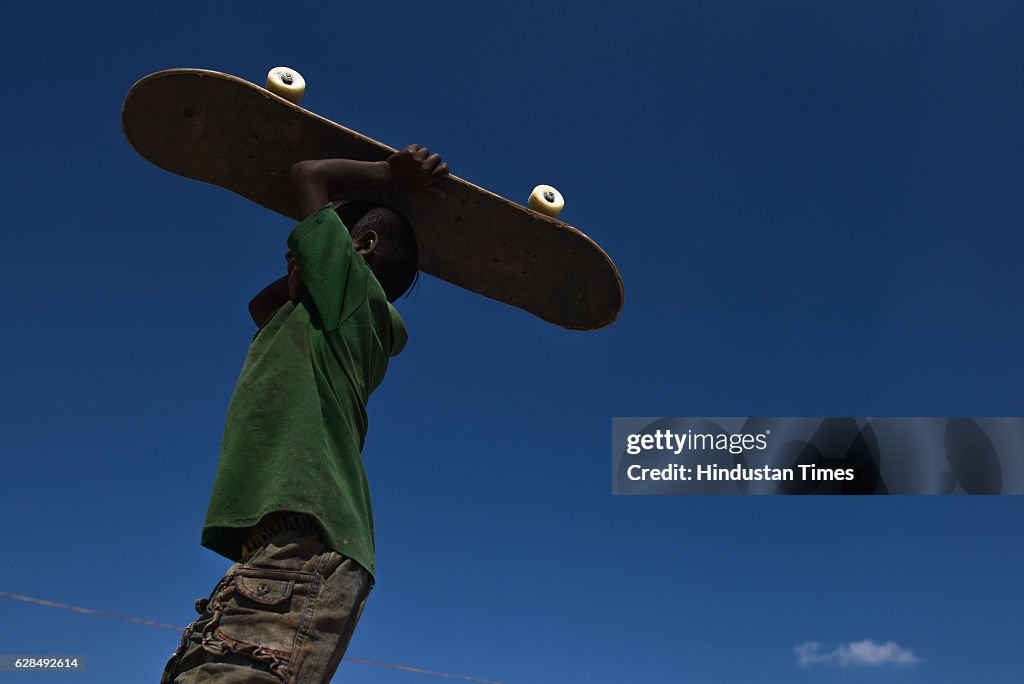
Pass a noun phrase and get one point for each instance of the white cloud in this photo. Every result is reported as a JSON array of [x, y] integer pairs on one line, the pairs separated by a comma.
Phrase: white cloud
[[865, 652]]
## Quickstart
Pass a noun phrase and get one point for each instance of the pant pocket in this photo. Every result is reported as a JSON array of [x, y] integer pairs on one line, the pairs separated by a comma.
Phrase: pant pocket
[[264, 614]]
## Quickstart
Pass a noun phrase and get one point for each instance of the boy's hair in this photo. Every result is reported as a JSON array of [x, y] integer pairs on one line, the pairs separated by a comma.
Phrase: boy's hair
[[397, 254]]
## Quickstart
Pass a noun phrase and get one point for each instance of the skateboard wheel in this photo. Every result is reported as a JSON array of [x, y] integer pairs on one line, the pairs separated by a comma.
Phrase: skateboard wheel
[[546, 200], [288, 83]]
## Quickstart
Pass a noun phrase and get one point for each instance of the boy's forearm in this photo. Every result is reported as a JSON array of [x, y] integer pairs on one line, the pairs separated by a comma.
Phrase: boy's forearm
[[411, 169], [318, 180], [269, 300]]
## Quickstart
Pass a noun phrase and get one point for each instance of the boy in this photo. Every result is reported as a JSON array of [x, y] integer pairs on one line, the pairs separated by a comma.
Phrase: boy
[[290, 500]]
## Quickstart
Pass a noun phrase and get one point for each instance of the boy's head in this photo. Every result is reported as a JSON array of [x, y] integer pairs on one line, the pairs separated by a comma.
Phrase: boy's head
[[386, 241]]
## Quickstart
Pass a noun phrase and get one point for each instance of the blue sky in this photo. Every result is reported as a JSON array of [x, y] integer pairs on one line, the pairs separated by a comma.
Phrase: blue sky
[[816, 210]]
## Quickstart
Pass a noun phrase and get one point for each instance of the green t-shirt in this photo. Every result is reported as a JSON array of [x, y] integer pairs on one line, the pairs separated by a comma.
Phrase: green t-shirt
[[297, 420]]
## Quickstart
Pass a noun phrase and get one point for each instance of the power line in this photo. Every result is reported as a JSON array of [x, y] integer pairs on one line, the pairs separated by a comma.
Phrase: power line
[[178, 628]]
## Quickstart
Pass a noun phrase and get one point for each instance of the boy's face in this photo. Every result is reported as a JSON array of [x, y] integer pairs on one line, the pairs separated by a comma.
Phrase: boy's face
[[296, 288]]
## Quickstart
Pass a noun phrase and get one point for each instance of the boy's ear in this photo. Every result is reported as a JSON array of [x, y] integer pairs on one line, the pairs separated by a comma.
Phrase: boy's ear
[[365, 243]]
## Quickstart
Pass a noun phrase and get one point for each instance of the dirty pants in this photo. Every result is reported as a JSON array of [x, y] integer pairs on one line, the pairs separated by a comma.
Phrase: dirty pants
[[284, 614]]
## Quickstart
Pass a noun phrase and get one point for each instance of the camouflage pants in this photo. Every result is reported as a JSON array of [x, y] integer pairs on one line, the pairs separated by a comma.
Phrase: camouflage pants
[[284, 614]]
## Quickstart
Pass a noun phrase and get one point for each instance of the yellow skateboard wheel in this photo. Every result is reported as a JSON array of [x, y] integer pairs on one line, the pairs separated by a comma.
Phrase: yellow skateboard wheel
[[546, 200], [288, 83]]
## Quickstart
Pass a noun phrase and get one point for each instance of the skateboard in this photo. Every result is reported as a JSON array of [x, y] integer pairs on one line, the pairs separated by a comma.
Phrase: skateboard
[[223, 130]]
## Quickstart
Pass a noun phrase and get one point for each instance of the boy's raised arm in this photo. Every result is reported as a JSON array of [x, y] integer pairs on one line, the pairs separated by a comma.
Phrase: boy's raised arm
[[316, 181]]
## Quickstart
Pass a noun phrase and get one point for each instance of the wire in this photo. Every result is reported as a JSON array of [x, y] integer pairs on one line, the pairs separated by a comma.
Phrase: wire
[[178, 628]]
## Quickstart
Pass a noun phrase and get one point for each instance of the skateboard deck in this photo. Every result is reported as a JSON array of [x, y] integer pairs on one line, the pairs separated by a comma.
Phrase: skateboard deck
[[223, 130]]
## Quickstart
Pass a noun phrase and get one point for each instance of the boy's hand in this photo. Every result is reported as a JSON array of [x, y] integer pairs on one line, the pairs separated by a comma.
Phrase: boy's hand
[[412, 169], [415, 168]]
